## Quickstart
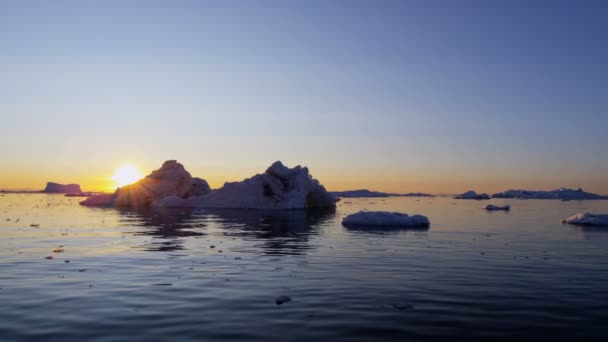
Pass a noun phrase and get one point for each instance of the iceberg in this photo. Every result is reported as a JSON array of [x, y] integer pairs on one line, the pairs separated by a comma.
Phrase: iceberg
[[564, 194], [472, 195], [57, 188], [497, 207], [369, 193], [171, 179], [587, 219], [359, 193], [385, 219], [279, 187]]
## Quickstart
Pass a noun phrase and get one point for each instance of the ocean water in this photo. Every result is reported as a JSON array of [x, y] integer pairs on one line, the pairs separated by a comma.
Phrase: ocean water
[[215, 275]]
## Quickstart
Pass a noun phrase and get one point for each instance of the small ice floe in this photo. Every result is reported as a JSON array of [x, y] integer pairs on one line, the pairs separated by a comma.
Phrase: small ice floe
[[587, 219], [282, 299], [498, 207], [385, 219], [472, 195]]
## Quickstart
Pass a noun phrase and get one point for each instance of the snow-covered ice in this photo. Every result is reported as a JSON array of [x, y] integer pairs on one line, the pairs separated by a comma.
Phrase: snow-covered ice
[[588, 219], [385, 218], [279, 187]]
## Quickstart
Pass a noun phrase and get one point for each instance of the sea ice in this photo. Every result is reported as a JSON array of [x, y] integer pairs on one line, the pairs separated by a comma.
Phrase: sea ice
[[587, 219], [385, 218], [497, 207]]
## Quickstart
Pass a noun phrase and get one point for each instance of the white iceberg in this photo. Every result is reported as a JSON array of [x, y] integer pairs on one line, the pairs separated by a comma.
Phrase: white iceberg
[[385, 219], [171, 179], [498, 207], [172, 186], [587, 219], [472, 195], [278, 188]]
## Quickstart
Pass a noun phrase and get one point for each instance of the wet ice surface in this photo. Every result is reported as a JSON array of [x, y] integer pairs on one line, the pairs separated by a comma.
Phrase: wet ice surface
[[153, 275]]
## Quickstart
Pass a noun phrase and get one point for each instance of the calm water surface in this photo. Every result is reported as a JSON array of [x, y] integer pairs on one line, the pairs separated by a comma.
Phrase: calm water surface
[[203, 275]]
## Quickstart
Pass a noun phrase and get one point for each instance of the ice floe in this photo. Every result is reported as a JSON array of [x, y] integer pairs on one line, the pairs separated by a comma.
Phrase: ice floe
[[498, 207], [587, 219], [386, 219]]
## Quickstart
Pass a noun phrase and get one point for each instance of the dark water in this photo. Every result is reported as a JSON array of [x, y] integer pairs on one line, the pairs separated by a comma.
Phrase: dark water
[[153, 276]]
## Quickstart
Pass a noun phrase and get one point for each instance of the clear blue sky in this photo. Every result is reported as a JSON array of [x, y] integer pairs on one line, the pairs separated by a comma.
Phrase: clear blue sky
[[437, 96]]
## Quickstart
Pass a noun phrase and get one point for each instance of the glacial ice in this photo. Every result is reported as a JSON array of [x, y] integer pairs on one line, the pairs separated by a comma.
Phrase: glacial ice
[[172, 186], [587, 219], [62, 188], [385, 218], [498, 207]]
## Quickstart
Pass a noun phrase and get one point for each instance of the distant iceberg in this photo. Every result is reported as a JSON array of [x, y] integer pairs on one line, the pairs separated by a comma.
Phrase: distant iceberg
[[472, 195], [172, 186], [498, 207], [385, 219], [368, 193], [359, 193], [62, 188], [558, 194], [587, 219]]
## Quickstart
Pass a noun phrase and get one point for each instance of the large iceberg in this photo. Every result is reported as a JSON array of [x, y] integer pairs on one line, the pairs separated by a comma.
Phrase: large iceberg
[[561, 194], [385, 219], [472, 195], [62, 188], [587, 219], [278, 188], [172, 186], [171, 179]]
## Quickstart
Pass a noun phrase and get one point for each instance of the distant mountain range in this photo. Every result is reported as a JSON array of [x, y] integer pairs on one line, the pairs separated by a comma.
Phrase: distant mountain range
[[563, 194], [368, 193]]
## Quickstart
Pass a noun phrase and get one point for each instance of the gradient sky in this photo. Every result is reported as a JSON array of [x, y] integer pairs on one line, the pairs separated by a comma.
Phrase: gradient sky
[[433, 96]]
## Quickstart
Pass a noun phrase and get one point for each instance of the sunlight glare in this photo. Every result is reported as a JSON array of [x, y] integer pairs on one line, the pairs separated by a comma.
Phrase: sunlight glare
[[126, 174]]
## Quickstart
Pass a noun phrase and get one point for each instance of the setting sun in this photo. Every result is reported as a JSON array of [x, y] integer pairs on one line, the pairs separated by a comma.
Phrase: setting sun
[[126, 174]]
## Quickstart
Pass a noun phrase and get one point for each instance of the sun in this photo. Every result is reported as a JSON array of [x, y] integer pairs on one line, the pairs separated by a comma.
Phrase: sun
[[126, 174]]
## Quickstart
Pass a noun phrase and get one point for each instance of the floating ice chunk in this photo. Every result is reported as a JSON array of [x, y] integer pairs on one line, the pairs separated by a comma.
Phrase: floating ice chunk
[[588, 219], [472, 195], [99, 200], [385, 218], [498, 207]]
